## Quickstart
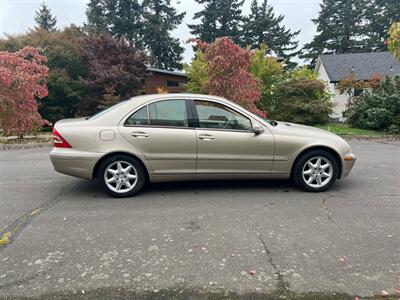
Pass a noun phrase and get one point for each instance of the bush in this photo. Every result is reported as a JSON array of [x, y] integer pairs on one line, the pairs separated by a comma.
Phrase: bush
[[302, 100], [377, 109]]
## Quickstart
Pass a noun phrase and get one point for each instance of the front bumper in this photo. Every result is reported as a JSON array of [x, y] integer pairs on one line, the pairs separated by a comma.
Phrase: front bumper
[[74, 163], [348, 162]]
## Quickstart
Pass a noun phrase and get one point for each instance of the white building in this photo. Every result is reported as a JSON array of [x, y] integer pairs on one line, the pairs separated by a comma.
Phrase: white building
[[364, 66]]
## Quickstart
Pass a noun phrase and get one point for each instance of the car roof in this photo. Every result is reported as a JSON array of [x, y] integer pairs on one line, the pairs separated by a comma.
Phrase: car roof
[[151, 97]]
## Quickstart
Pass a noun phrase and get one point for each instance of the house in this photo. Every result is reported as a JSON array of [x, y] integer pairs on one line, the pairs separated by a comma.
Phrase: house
[[163, 81], [363, 66]]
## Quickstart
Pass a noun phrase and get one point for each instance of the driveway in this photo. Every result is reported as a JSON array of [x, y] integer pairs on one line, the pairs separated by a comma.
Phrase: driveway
[[198, 240]]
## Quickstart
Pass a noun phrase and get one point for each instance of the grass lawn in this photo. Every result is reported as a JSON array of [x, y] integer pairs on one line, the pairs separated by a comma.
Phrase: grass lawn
[[345, 129]]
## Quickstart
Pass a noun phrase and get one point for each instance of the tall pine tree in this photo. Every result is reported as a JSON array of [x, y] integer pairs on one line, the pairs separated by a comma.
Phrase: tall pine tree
[[263, 27], [44, 19], [380, 15], [160, 18], [119, 18], [206, 30], [340, 29], [218, 18]]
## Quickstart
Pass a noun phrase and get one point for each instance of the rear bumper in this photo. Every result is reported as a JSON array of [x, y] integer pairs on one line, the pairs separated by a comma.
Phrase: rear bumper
[[74, 163], [348, 164]]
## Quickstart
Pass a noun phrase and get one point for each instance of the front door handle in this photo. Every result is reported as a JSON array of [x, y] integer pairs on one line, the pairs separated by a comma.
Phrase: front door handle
[[139, 134], [206, 137]]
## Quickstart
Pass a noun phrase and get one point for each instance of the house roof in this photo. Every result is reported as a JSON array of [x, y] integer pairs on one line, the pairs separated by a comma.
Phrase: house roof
[[363, 65], [156, 70]]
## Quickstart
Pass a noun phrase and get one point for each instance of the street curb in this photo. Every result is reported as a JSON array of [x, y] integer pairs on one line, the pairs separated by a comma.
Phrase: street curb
[[371, 138], [24, 146]]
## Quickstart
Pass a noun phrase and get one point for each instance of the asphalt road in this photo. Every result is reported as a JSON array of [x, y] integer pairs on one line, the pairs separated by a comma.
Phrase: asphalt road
[[201, 239]]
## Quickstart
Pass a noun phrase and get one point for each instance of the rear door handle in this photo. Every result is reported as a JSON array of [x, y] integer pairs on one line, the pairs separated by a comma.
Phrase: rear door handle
[[139, 134], [206, 137]]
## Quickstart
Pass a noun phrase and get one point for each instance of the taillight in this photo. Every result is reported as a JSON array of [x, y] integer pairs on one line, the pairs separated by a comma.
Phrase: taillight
[[59, 141]]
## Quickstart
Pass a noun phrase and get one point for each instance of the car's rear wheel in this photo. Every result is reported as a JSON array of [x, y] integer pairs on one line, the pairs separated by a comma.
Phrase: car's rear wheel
[[315, 171], [121, 176]]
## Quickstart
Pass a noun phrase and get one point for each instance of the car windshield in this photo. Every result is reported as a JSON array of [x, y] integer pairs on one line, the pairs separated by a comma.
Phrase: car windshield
[[269, 121], [100, 113]]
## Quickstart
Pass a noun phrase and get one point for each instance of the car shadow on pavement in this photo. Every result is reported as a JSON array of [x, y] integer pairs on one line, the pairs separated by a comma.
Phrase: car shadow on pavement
[[220, 185], [93, 189]]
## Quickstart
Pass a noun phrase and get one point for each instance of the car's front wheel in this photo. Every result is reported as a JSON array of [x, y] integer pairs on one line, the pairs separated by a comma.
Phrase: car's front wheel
[[121, 176], [315, 171]]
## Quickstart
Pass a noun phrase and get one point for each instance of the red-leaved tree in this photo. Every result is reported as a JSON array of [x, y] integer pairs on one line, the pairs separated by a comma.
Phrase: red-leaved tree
[[116, 72], [22, 79], [228, 74]]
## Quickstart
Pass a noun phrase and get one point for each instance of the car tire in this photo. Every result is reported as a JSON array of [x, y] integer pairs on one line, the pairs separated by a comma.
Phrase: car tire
[[315, 171], [121, 176]]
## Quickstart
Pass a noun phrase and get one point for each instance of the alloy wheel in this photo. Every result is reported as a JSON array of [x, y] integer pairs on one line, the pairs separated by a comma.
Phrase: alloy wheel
[[317, 172], [120, 176]]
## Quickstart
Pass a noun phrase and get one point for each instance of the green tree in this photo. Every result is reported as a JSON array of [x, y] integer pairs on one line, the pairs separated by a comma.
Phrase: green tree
[[340, 29], [268, 71], [160, 18], [118, 18], [263, 27], [197, 73], [44, 19], [380, 15], [219, 18], [302, 73], [394, 40], [64, 81]]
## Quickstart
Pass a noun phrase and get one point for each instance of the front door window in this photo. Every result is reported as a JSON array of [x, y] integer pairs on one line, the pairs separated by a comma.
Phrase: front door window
[[217, 116]]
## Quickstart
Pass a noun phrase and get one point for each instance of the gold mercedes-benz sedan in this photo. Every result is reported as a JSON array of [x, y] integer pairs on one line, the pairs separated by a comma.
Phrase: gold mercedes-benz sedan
[[173, 137]]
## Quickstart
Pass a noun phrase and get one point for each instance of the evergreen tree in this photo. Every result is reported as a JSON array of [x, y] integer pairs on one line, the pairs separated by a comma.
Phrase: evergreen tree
[[380, 15], [206, 30], [160, 18], [230, 18], [219, 18], [119, 18], [340, 29], [263, 27], [44, 19]]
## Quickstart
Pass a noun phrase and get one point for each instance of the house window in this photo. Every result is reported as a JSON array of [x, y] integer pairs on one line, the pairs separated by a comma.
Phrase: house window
[[172, 83], [358, 92]]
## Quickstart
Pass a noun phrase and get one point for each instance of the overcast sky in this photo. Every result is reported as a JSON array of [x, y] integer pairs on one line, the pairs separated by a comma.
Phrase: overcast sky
[[16, 16]]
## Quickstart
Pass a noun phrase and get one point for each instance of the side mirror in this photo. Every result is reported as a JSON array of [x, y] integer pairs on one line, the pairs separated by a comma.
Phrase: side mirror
[[258, 129]]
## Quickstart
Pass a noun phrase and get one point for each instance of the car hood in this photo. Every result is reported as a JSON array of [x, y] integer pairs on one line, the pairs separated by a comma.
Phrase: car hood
[[301, 130]]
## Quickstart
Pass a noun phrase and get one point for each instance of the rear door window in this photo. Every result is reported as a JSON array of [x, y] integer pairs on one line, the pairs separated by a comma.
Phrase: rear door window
[[138, 118], [168, 113]]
